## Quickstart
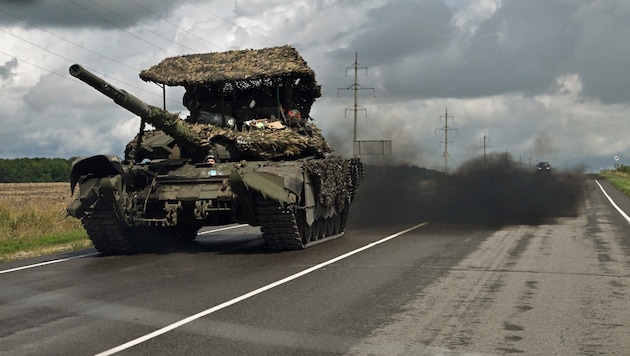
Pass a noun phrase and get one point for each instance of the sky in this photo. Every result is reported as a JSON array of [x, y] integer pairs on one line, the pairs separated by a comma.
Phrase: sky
[[539, 80]]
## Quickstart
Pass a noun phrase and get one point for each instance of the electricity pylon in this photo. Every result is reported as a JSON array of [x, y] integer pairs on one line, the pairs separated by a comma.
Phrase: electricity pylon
[[446, 128]]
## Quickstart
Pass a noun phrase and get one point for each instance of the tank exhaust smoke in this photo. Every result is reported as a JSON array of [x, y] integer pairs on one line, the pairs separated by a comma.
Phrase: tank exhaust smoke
[[497, 193]]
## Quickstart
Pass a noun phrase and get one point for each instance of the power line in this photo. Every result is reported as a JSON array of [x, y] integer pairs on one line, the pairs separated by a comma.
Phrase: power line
[[129, 32], [233, 23], [86, 9], [68, 78], [62, 57], [61, 38], [142, 27], [176, 26], [34, 65], [66, 58]]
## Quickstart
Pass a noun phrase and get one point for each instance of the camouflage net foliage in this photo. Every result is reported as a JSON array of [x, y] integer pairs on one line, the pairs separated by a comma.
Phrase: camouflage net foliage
[[268, 143], [230, 66], [263, 144], [329, 176], [208, 76]]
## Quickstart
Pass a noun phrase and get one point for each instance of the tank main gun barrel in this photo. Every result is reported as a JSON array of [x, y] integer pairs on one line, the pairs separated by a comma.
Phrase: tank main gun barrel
[[161, 119], [119, 96]]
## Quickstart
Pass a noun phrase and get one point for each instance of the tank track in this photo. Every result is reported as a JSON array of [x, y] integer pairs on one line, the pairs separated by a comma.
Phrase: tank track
[[108, 234], [285, 229]]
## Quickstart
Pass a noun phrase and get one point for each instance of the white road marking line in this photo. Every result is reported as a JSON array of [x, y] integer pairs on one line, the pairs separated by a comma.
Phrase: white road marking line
[[47, 263], [625, 216], [260, 290], [222, 229]]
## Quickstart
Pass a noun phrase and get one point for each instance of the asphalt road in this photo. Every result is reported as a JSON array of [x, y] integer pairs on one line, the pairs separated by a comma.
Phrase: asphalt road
[[555, 288]]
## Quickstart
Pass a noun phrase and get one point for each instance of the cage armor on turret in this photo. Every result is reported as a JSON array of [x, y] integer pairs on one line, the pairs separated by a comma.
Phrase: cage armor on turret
[[247, 153]]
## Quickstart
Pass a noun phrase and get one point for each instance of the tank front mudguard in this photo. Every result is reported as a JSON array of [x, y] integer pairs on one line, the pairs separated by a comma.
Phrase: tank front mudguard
[[99, 177]]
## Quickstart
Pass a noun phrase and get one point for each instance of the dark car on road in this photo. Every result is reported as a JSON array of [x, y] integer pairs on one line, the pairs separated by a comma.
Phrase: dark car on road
[[543, 167]]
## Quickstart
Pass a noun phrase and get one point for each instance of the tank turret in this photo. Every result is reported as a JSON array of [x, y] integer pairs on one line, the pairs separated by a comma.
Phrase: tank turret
[[247, 140]]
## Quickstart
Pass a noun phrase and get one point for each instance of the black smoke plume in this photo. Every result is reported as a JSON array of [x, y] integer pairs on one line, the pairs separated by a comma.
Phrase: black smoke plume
[[501, 192]]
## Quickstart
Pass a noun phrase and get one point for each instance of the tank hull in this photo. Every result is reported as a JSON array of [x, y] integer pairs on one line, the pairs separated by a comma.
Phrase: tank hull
[[296, 203]]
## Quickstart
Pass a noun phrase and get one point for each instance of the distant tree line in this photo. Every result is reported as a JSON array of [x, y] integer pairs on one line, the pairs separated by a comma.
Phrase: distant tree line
[[33, 170], [623, 168]]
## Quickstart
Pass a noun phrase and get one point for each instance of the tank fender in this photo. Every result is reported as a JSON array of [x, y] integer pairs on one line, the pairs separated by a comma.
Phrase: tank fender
[[94, 189], [270, 186], [100, 177], [95, 167]]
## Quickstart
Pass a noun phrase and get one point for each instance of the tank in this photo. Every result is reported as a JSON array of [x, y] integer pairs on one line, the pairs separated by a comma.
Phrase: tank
[[247, 153]]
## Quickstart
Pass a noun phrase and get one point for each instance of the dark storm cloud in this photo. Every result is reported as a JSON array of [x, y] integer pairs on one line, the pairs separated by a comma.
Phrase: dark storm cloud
[[602, 54], [404, 28], [81, 13], [522, 48], [6, 70]]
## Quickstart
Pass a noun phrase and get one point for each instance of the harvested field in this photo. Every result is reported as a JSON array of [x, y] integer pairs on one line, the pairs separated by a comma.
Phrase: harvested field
[[20, 194], [33, 221]]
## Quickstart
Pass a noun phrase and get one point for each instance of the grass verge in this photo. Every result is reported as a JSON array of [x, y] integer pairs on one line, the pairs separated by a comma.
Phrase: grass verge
[[620, 180]]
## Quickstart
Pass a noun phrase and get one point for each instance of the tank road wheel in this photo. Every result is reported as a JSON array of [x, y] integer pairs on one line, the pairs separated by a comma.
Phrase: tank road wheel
[[329, 226], [109, 235], [336, 224], [286, 228], [305, 229], [322, 228], [343, 218], [316, 230]]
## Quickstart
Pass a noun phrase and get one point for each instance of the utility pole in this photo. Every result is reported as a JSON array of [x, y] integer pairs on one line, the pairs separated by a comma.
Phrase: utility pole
[[446, 128], [356, 87], [485, 147]]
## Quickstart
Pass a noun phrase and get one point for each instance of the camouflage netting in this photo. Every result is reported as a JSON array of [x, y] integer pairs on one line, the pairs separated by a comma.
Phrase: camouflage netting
[[231, 66], [225, 82], [266, 143], [329, 177], [263, 144], [279, 71]]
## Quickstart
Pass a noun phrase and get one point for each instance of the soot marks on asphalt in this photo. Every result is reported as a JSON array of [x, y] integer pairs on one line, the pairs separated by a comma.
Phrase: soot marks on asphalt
[[489, 193]]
